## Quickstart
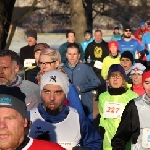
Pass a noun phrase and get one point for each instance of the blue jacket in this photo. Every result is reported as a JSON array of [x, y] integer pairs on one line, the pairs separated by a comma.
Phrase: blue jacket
[[90, 137], [74, 99], [132, 46], [146, 44], [84, 77], [63, 50], [85, 43]]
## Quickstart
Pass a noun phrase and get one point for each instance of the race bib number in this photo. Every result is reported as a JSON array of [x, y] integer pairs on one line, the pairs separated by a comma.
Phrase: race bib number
[[146, 138], [68, 145], [113, 110], [98, 64], [28, 62]]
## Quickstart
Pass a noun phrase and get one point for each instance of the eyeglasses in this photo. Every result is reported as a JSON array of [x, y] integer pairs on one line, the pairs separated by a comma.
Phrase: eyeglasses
[[46, 63], [127, 30], [115, 77]]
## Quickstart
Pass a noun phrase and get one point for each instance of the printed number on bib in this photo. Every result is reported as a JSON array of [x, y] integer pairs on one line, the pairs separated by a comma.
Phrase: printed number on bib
[[28, 62], [146, 138], [113, 110], [68, 145], [98, 64]]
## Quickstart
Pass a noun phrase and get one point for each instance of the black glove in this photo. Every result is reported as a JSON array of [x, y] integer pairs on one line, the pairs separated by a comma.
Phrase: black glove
[[142, 53], [79, 148], [101, 131], [146, 51], [45, 136]]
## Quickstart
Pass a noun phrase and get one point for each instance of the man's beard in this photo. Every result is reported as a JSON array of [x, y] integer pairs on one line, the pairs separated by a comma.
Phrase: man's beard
[[53, 112], [5, 82], [9, 80], [127, 36]]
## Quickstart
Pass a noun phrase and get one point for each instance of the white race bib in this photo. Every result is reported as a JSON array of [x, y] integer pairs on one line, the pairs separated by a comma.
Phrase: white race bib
[[148, 46], [98, 64], [68, 145], [146, 138], [28, 62], [113, 110], [80, 97]]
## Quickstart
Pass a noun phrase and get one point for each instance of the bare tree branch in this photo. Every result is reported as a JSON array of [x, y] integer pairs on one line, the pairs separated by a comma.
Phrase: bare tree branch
[[16, 22]]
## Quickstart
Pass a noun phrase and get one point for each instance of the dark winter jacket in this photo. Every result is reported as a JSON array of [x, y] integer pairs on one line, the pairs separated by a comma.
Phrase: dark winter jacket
[[26, 52], [31, 73]]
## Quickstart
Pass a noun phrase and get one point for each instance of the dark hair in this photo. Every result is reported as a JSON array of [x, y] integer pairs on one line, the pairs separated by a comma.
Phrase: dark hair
[[13, 55], [98, 30], [69, 31], [73, 45], [88, 31]]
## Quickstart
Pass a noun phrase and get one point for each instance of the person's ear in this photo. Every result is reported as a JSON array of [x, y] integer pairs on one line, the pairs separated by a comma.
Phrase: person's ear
[[17, 69], [26, 122], [57, 63], [79, 56]]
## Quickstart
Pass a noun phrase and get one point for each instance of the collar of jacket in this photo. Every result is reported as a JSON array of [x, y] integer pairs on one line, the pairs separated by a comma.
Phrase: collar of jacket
[[114, 56], [137, 86], [146, 100], [17, 82], [24, 143], [116, 91], [128, 71], [67, 65], [98, 42], [53, 118]]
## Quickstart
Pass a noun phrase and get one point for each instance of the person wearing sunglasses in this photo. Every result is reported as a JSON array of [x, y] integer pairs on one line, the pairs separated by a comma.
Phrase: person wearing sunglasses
[[127, 43]]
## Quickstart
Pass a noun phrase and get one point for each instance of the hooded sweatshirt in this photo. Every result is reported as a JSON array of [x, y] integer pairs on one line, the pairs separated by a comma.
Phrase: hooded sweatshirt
[[31, 90]]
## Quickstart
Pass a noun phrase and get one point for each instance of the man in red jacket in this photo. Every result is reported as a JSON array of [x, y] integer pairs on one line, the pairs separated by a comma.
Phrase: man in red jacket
[[142, 30], [14, 123]]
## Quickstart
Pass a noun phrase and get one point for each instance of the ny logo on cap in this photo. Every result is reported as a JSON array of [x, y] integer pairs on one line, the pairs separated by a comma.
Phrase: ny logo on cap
[[52, 79]]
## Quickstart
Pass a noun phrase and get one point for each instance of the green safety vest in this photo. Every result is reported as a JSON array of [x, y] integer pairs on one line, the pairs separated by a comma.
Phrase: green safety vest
[[111, 124]]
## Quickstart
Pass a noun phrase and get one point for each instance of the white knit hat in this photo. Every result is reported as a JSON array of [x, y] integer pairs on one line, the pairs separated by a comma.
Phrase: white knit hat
[[138, 68], [55, 77]]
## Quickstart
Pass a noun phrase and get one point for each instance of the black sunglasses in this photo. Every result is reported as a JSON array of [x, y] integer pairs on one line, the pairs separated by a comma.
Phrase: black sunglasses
[[127, 30]]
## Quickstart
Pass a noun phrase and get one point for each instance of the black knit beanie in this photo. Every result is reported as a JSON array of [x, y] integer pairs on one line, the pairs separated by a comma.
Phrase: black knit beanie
[[127, 54]]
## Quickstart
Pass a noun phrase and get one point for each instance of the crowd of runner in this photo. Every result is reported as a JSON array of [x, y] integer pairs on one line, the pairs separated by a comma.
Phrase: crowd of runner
[[52, 107]]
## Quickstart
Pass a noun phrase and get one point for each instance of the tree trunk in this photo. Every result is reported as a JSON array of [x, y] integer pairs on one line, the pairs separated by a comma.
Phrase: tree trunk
[[78, 19], [6, 8], [89, 17]]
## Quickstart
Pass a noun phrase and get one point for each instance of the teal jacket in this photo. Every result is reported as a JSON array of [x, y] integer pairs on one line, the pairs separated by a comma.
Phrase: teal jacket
[[116, 37], [63, 50]]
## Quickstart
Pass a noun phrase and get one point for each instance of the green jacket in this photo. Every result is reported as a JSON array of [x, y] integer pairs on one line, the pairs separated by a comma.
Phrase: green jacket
[[111, 124]]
